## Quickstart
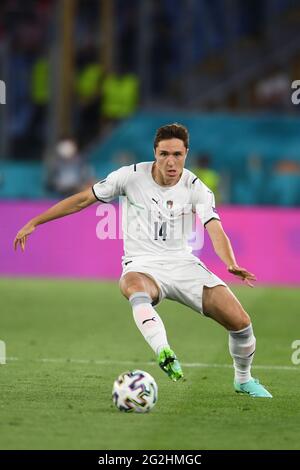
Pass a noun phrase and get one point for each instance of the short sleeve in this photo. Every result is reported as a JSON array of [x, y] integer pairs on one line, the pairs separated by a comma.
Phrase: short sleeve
[[204, 203], [113, 186]]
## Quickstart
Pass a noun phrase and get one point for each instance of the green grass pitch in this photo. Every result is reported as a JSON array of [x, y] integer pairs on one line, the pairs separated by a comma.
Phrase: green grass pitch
[[67, 341]]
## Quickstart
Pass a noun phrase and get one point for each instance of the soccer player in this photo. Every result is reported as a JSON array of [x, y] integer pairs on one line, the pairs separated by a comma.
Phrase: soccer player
[[160, 197]]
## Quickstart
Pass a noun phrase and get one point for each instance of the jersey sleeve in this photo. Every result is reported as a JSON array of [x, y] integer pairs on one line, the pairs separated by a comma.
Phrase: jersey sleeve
[[204, 203], [113, 186]]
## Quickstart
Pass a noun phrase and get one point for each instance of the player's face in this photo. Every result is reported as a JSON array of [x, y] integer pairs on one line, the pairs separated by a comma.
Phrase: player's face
[[170, 157]]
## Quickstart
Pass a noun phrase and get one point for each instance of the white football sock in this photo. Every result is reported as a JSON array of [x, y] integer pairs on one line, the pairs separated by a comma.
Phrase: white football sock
[[242, 348], [148, 321]]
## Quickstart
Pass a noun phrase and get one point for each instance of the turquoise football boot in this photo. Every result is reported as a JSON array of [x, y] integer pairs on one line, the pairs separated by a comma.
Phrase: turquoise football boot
[[168, 362], [252, 388]]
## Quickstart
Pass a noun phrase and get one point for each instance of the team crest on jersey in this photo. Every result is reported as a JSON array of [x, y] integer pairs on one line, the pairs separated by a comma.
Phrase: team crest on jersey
[[169, 204]]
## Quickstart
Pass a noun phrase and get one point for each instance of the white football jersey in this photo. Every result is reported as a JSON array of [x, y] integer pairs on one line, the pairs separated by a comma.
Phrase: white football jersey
[[157, 221]]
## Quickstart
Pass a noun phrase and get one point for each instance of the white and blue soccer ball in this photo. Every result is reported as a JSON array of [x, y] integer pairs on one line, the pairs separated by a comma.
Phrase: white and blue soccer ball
[[135, 391]]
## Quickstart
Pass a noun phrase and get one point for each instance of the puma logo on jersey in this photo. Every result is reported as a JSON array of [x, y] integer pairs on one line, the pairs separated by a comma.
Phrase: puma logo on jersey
[[149, 319]]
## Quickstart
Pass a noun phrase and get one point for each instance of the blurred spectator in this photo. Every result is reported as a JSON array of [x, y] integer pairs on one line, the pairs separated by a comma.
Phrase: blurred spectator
[[40, 96], [68, 172], [25, 26], [119, 98], [88, 88], [206, 174], [20, 109]]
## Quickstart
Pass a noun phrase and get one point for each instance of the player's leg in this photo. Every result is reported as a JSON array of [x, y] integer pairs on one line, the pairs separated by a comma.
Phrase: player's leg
[[141, 291], [220, 304]]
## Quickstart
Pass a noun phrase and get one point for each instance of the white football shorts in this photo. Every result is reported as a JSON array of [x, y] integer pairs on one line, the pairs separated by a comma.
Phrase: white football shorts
[[182, 280]]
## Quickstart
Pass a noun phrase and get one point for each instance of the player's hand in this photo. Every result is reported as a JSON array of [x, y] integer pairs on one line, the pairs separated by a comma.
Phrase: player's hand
[[243, 274], [22, 235]]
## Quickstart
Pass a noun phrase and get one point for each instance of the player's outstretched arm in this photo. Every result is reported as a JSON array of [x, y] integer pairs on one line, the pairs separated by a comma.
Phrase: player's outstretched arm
[[67, 206], [224, 250]]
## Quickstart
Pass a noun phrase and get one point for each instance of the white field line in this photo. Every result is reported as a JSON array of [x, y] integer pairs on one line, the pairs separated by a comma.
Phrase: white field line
[[135, 363]]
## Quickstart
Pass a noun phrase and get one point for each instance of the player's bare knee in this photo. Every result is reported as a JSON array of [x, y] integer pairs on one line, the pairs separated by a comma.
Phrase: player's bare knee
[[239, 318], [129, 287], [134, 282], [242, 320]]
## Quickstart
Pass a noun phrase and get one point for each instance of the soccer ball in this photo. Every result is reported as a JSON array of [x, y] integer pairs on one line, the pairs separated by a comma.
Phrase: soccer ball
[[135, 391]]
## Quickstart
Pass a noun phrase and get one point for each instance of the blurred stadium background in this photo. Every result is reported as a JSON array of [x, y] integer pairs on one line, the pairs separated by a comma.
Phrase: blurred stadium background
[[87, 84]]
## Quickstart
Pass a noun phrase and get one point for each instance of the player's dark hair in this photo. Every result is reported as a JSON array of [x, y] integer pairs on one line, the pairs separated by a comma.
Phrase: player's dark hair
[[172, 131]]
